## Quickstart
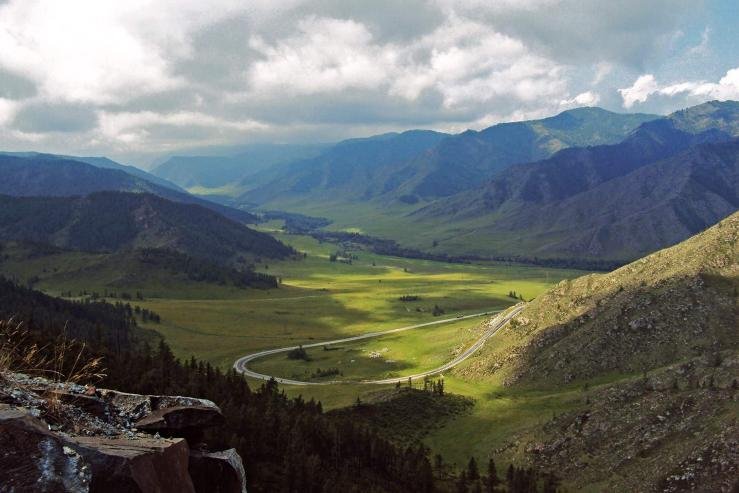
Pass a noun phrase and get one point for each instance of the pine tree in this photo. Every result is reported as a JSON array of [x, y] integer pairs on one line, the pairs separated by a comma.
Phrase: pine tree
[[462, 482], [493, 480], [472, 471]]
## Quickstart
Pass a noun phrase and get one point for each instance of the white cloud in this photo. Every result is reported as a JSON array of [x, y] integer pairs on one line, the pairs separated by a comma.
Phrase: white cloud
[[587, 98], [8, 109], [465, 62], [646, 86], [105, 51], [129, 126], [642, 88], [469, 63], [327, 55], [78, 51]]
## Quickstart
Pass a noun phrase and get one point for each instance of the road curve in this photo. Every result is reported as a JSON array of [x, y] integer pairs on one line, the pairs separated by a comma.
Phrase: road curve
[[498, 323]]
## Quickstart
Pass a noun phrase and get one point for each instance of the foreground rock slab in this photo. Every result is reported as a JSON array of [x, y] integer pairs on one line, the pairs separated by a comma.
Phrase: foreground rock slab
[[122, 465]]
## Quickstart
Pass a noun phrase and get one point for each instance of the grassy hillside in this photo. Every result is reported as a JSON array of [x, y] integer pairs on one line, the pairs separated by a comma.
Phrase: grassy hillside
[[653, 349], [672, 305], [114, 221]]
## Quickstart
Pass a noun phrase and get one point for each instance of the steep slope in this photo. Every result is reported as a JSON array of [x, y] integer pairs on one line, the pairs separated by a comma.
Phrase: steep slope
[[47, 175], [219, 171], [669, 179], [461, 162], [672, 305], [422, 165], [352, 169], [661, 332], [114, 221]]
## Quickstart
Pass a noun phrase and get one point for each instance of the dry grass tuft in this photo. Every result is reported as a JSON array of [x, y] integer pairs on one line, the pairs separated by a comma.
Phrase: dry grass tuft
[[64, 361]]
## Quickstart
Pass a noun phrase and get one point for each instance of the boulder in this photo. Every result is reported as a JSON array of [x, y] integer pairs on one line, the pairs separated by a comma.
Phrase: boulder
[[217, 472], [181, 421], [34, 459], [180, 418], [141, 465]]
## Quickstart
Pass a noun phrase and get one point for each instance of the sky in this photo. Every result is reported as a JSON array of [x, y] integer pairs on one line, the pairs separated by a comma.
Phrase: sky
[[141, 79]]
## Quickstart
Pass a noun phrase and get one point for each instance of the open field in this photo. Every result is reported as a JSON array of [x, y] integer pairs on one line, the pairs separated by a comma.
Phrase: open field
[[323, 300], [393, 355]]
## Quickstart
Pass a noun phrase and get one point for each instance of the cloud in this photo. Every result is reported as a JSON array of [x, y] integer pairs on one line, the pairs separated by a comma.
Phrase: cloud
[[462, 61], [646, 86], [627, 32], [587, 98], [702, 48], [469, 63], [327, 55], [8, 109], [133, 127], [642, 88], [162, 74], [602, 70], [53, 117], [80, 51]]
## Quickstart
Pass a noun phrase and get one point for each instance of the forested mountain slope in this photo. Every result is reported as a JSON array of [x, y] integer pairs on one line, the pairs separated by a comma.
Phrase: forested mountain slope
[[113, 221]]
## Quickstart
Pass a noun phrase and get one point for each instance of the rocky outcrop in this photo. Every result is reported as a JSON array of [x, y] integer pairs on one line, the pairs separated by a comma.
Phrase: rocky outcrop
[[66, 437]]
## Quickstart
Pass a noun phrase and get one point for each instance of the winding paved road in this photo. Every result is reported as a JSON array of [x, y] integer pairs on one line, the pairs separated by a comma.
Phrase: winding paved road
[[498, 323]]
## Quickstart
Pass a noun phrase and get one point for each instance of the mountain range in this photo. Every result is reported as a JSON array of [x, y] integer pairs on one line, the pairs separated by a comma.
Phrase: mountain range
[[100, 162], [668, 180], [584, 184], [417, 165], [30, 174]]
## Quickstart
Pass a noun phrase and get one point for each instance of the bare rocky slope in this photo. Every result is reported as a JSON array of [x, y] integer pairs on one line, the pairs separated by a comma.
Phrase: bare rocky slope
[[654, 347]]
